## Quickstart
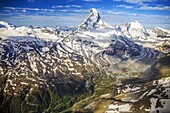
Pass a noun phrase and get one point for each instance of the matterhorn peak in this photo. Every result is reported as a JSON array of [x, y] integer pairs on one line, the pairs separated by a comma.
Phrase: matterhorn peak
[[93, 21], [94, 11], [94, 16]]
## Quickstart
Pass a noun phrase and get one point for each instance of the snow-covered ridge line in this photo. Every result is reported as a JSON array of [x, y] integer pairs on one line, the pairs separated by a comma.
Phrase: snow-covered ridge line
[[7, 25], [129, 41]]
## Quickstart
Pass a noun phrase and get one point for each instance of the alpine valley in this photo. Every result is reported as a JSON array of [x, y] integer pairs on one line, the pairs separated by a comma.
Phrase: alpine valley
[[92, 68]]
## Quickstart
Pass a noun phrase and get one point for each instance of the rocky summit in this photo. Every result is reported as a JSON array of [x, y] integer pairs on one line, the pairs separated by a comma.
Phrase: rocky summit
[[93, 68]]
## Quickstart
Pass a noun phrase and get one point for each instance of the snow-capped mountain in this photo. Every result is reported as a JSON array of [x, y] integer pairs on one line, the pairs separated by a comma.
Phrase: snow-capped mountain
[[93, 21], [6, 25], [133, 30], [46, 67], [160, 32], [154, 38]]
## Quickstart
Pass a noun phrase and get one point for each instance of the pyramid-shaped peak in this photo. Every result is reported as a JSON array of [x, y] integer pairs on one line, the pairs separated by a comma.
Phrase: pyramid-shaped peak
[[94, 16], [94, 11], [93, 21]]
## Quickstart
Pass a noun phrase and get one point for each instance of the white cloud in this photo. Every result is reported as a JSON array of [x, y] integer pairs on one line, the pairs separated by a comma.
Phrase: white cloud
[[145, 7], [59, 6], [11, 8], [77, 6], [70, 20], [39, 11], [28, 9], [92, 0], [138, 1], [116, 12], [110, 12], [75, 10], [24, 11], [67, 6], [135, 1], [125, 6]]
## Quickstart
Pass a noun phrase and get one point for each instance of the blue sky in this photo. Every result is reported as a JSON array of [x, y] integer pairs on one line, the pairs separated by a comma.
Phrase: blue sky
[[150, 13]]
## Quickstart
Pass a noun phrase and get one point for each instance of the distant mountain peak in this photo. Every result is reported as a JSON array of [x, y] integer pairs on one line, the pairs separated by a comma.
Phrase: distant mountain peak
[[6, 25], [93, 21], [162, 29], [133, 30], [161, 32], [136, 24], [94, 11]]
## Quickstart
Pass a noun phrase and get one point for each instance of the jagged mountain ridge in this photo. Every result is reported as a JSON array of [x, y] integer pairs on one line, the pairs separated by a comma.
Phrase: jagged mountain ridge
[[134, 30], [53, 60], [160, 32]]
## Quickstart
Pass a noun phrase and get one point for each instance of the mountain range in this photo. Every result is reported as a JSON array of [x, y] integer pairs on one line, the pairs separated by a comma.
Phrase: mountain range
[[94, 67]]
